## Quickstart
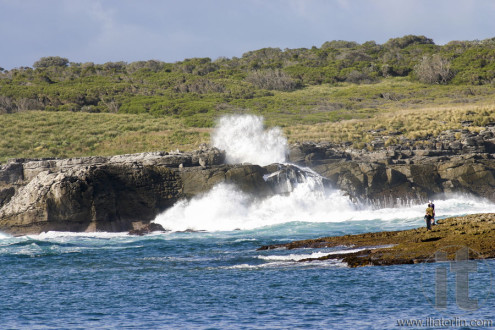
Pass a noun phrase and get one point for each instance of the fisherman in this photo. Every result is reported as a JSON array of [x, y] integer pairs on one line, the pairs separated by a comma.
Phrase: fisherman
[[429, 216], [430, 204]]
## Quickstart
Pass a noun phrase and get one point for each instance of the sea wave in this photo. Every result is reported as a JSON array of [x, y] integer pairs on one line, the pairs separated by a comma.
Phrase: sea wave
[[301, 256], [226, 208]]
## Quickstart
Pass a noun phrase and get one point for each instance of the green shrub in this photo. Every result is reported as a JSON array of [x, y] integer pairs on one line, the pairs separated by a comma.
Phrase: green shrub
[[272, 80], [51, 61]]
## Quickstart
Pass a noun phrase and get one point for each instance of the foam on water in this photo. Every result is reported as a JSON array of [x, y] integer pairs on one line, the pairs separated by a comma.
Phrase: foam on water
[[301, 256], [245, 140], [226, 208], [53, 235], [285, 264]]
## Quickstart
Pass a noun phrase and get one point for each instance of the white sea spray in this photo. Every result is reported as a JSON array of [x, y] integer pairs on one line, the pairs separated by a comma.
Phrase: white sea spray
[[245, 140], [226, 208]]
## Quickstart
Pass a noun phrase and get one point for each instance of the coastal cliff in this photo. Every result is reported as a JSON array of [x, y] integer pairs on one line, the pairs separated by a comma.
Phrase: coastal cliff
[[126, 192], [417, 170]]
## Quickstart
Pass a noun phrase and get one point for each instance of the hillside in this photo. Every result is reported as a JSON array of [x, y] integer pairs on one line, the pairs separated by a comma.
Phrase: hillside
[[342, 91]]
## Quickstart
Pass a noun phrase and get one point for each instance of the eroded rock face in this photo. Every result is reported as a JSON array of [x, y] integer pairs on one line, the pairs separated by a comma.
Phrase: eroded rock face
[[412, 170], [387, 184], [117, 193], [93, 193], [90, 198]]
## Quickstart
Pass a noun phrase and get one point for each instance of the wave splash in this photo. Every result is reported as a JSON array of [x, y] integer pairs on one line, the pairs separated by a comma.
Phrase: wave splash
[[225, 208], [301, 195], [245, 140]]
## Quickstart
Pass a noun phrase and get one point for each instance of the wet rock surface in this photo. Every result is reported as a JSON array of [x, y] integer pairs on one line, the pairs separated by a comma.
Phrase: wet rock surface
[[477, 232], [141, 230]]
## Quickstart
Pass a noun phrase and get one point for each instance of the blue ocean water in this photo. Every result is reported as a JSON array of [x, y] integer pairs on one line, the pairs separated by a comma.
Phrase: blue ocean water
[[215, 280]]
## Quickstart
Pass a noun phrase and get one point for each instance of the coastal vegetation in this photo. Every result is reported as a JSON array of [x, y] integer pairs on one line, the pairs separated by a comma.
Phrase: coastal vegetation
[[341, 91]]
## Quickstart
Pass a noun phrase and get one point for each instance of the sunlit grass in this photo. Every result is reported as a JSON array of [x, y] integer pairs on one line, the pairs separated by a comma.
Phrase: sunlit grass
[[36, 134], [346, 112], [414, 123]]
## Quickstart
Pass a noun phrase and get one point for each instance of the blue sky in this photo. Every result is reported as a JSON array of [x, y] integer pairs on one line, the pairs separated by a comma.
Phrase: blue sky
[[130, 30]]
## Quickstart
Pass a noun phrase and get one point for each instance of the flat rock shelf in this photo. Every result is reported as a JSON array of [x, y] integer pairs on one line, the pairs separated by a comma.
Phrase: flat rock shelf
[[476, 231]]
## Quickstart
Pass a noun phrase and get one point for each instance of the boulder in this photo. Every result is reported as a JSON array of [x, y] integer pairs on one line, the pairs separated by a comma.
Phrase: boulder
[[96, 198], [144, 229]]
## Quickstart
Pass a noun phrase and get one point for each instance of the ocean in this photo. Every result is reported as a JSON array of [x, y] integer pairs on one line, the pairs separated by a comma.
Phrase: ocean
[[206, 272], [215, 280]]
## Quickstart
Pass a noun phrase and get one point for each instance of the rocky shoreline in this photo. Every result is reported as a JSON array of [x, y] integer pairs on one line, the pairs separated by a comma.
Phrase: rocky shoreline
[[477, 232], [126, 192], [383, 174]]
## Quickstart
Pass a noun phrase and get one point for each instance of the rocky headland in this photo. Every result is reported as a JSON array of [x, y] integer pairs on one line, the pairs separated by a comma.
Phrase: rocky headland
[[126, 192], [386, 174], [477, 232]]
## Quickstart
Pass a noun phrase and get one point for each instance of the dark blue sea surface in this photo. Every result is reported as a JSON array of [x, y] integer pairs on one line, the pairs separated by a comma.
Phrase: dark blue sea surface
[[217, 280]]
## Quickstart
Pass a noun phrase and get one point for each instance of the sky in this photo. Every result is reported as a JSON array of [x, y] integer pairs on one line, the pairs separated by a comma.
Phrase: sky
[[102, 31]]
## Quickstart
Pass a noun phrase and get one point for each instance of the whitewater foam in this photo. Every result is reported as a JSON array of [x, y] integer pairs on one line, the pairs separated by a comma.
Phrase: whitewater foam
[[285, 264], [298, 257], [301, 198], [225, 208], [53, 235], [245, 140]]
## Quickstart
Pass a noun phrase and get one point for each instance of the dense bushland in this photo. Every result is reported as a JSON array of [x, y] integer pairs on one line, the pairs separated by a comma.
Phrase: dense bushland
[[338, 92], [199, 89]]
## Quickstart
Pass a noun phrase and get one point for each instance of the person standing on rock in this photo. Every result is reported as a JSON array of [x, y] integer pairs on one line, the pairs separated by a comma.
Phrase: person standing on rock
[[430, 204], [429, 216]]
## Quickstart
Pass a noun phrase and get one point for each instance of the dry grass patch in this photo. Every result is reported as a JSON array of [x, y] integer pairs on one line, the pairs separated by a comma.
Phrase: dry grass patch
[[411, 123]]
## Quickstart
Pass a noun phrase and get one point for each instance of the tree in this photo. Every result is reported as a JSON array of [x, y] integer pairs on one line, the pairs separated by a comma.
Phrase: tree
[[408, 40], [433, 70], [151, 65], [339, 44], [46, 62], [272, 79]]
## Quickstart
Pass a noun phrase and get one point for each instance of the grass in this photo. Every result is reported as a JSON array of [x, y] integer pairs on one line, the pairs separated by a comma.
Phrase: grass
[[36, 134], [330, 103], [415, 123], [346, 112]]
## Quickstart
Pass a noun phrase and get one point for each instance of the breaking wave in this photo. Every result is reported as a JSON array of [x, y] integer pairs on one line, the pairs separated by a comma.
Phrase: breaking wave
[[226, 208], [245, 140]]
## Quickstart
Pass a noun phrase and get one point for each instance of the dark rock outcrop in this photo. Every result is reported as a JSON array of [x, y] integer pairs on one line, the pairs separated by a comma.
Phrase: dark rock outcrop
[[144, 229], [454, 162], [119, 193], [110, 193], [116, 193]]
